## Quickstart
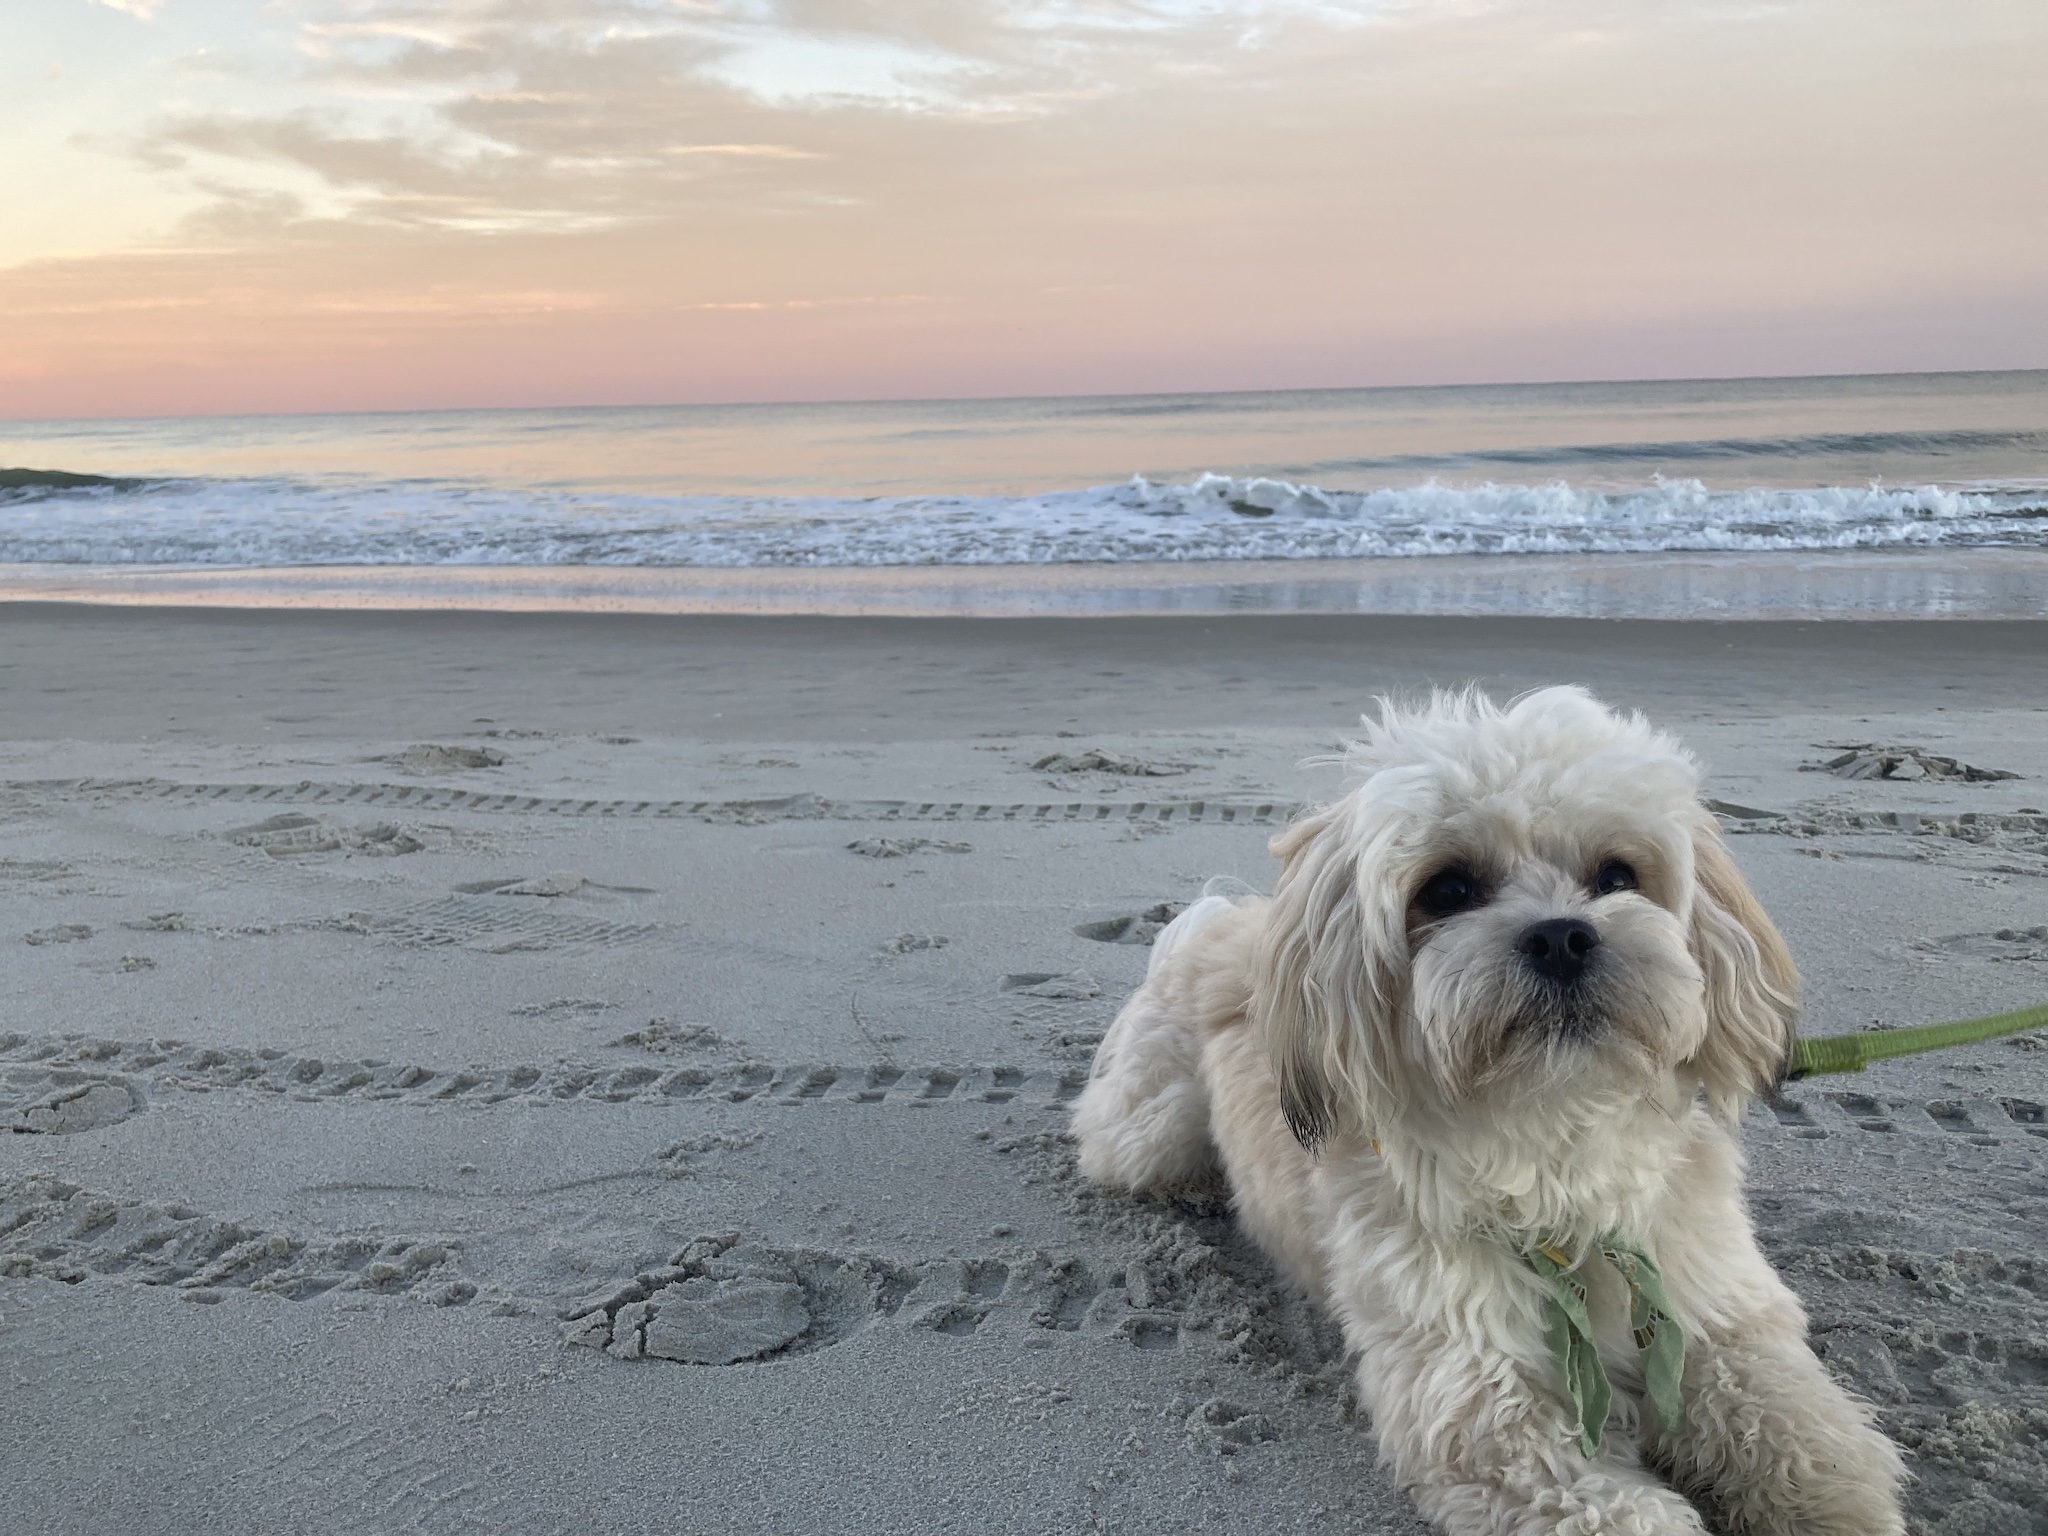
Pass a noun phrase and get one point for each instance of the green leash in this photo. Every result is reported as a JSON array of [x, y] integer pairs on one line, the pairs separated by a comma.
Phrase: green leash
[[1852, 1053]]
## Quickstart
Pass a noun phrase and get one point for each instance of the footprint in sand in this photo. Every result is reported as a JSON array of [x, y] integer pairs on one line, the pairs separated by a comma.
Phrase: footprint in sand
[[562, 1006], [68, 1103], [1912, 765], [428, 758], [559, 883], [2009, 944], [724, 1302], [664, 1036], [901, 847], [914, 943], [1095, 760], [1069, 985], [292, 834], [701, 1321], [1132, 927], [59, 1230], [61, 933]]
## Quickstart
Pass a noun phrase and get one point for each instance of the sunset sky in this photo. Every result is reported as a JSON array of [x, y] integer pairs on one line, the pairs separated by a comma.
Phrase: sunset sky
[[244, 205]]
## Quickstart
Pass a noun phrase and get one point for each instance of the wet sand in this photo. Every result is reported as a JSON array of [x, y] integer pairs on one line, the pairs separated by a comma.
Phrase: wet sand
[[259, 675]]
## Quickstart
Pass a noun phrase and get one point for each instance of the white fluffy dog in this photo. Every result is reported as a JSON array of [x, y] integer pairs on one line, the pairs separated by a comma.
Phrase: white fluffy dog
[[1480, 1056]]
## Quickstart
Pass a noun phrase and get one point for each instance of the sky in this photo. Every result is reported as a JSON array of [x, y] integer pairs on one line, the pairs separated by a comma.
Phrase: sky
[[225, 206]]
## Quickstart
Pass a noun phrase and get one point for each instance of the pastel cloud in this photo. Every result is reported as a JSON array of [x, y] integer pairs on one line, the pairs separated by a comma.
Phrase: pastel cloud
[[748, 198]]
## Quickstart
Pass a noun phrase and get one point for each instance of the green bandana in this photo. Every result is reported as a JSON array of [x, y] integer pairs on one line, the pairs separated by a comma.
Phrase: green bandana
[[1657, 1335]]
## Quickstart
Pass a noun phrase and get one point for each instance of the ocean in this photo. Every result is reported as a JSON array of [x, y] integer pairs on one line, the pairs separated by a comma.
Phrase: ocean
[[1167, 490]]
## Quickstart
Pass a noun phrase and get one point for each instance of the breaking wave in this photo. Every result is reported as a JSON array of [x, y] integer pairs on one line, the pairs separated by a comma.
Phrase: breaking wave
[[54, 518]]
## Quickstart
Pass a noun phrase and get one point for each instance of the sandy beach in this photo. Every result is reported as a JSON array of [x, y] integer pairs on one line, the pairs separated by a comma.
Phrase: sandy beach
[[550, 1072]]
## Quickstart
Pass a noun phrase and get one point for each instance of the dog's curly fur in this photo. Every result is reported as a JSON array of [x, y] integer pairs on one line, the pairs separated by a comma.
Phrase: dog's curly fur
[[1401, 1098]]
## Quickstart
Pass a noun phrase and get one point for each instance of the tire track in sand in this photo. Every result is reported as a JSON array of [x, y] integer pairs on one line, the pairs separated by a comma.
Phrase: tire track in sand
[[72, 1063], [799, 807]]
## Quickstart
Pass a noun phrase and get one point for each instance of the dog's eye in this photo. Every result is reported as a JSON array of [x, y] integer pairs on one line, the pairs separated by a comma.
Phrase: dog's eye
[[1448, 891], [1614, 876]]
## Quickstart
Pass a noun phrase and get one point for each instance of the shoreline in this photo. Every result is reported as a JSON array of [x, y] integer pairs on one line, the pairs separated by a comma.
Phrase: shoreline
[[1944, 584]]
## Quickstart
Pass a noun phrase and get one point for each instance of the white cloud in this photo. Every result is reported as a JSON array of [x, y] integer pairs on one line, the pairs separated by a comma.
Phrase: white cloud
[[141, 10], [787, 68]]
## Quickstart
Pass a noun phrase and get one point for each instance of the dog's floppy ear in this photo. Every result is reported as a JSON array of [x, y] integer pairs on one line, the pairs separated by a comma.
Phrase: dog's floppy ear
[[1752, 984], [1318, 989]]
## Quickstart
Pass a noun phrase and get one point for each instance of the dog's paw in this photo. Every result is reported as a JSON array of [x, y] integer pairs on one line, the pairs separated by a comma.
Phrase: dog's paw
[[1600, 1504]]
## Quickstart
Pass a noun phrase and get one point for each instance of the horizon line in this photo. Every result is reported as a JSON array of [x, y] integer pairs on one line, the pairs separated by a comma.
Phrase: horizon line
[[997, 399]]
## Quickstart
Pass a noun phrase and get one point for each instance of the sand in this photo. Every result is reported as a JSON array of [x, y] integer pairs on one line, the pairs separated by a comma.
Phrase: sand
[[546, 1072], [1856, 584]]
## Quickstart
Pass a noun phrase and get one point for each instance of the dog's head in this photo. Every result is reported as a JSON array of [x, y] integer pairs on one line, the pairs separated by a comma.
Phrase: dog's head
[[1512, 903]]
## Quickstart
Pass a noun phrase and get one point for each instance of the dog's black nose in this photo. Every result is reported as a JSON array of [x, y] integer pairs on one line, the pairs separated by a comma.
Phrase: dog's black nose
[[1558, 948]]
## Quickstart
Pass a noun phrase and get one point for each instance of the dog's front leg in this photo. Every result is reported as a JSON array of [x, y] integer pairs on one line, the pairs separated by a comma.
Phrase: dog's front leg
[[1770, 1440], [1485, 1451]]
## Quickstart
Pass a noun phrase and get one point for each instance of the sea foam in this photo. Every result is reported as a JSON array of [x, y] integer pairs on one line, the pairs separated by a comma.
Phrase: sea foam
[[278, 522]]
